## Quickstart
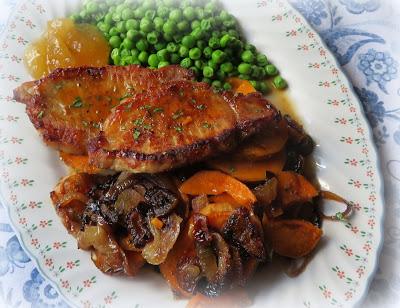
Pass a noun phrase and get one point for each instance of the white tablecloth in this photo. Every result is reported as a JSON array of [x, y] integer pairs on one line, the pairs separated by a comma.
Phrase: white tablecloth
[[365, 37]]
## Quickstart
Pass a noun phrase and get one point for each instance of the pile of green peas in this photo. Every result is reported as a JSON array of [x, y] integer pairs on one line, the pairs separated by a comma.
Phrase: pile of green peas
[[196, 34]]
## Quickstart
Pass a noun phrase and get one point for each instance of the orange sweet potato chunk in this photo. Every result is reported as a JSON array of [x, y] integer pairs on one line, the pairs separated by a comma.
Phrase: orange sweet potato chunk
[[217, 214], [294, 188], [241, 85], [209, 182], [292, 238], [250, 171]]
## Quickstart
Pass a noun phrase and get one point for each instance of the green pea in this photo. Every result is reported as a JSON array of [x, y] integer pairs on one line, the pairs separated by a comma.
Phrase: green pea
[[208, 71], [183, 51], [116, 17], [220, 75], [92, 7], [225, 40], [172, 47], [189, 13], [183, 25], [233, 33], [218, 56], [104, 27], [127, 44], [175, 15], [261, 59], [163, 55], [174, 58], [195, 70], [212, 64], [150, 14], [140, 12], [207, 52], [250, 47], [195, 24], [142, 45], [127, 14], [153, 60], [195, 53], [244, 76], [263, 88], [163, 11], [132, 24], [247, 56], [115, 52], [159, 46], [127, 60], [206, 24], [113, 31], [124, 53], [271, 70], [146, 25], [197, 33], [133, 35], [152, 37], [199, 13], [188, 41], [217, 84], [143, 57], [163, 64], [158, 23], [135, 53], [121, 26], [227, 86], [148, 4], [254, 83], [227, 67], [279, 83], [214, 42], [108, 18], [186, 63], [199, 64], [201, 44], [169, 27], [115, 41]]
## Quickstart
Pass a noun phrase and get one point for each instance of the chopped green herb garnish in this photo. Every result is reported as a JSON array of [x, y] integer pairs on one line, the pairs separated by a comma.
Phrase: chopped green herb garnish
[[41, 114], [125, 96], [340, 216], [145, 107], [138, 122], [181, 93], [177, 114], [179, 129], [136, 134], [158, 109], [232, 169], [147, 126], [58, 86], [77, 103], [206, 125], [201, 107], [84, 123], [96, 125], [193, 101]]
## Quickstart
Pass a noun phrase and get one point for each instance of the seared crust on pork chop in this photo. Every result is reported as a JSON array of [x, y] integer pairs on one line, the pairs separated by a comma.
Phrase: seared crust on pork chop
[[175, 125], [69, 106]]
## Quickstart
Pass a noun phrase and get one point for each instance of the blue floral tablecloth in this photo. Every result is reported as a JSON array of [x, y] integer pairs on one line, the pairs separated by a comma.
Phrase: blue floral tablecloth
[[364, 35]]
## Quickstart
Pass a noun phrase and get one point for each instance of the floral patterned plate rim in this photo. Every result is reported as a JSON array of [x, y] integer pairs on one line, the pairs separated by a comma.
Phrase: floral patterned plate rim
[[345, 162]]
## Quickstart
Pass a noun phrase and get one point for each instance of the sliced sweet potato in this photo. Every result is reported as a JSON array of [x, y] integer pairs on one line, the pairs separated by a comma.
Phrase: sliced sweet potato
[[184, 247], [216, 183], [224, 198], [218, 213], [263, 145], [292, 238], [236, 298], [294, 188], [80, 163], [241, 85], [250, 171]]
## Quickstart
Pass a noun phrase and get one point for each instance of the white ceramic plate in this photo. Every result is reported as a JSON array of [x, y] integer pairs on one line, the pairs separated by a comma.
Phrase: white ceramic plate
[[345, 160]]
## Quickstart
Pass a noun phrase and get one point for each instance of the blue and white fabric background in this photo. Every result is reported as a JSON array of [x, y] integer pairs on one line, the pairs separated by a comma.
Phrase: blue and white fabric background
[[364, 35]]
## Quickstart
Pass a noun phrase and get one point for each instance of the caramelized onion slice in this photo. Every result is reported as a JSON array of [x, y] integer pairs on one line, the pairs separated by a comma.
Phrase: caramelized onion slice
[[156, 251], [106, 253], [340, 216]]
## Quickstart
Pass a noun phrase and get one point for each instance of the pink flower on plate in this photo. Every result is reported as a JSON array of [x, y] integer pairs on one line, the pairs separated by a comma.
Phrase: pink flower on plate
[[14, 140], [293, 33], [344, 89], [365, 151], [326, 84], [22, 221], [322, 52], [335, 71], [18, 160], [32, 204], [108, 299], [371, 198], [310, 34], [70, 264], [34, 242], [56, 245], [65, 284], [343, 121], [348, 295], [349, 140], [354, 229], [360, 130], [87, 283], [360, 271], [327, 294], [367, 247], [49, 262], [357, 184], [43, 223], [341, 274], [86, 304], [353, 162], [349, 251], [24, 182], [371, 223], [352, 109], [356, 206]]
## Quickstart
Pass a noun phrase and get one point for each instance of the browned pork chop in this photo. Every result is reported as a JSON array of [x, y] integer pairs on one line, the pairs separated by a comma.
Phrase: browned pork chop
[[69, 106], [176, 125]]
